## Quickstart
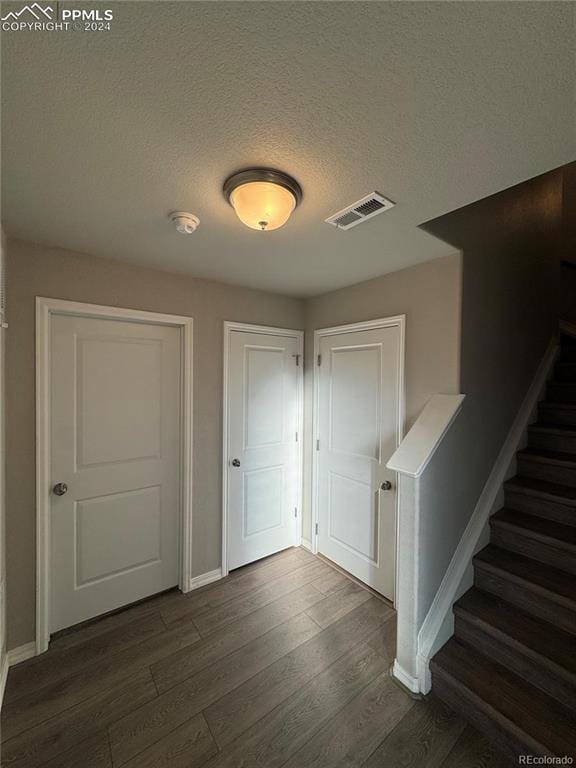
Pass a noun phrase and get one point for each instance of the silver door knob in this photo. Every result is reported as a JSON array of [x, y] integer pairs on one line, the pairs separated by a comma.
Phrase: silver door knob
[[386, 486], [60, 489], [235, 462]]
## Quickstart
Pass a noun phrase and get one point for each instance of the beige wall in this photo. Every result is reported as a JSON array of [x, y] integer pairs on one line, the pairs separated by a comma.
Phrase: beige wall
[[38, 271], [429, 295], [2, 487]]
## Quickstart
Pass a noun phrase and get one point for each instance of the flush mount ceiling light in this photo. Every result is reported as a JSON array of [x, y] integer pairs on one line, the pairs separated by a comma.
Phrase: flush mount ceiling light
[[262, 198]]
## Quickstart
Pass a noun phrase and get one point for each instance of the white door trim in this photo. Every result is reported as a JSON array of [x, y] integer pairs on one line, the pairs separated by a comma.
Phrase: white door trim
[[369, 325], [45, 309], [229, 327]]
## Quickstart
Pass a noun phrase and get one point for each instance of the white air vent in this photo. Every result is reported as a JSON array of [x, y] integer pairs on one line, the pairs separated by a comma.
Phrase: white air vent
[[360, 211]]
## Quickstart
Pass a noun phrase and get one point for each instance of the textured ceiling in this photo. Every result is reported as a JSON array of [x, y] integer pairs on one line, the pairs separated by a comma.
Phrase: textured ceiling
[[433, 104]]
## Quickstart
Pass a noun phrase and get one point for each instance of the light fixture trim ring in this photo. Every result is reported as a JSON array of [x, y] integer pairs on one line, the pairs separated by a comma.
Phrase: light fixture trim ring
[[280, 178]]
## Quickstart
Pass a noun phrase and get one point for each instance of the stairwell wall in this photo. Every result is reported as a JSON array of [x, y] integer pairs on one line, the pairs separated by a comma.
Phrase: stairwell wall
[[510, 244], [568, 246]]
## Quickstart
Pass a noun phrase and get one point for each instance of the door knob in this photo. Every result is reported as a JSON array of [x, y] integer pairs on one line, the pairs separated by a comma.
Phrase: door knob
[[386, 486], [235, 462], [60, 489]]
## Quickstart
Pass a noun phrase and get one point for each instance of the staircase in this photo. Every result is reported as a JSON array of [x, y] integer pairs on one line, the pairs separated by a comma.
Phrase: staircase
[[510, 667]]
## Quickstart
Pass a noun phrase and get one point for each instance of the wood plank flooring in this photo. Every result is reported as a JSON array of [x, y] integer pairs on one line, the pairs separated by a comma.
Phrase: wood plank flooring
[[285, 663]]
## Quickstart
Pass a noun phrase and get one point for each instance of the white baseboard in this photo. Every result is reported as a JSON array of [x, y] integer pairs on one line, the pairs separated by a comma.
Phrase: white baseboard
[[412, 683], [3, 676], [205, 578], [429, 635], [22, 653], [306, 543], [10, 659]]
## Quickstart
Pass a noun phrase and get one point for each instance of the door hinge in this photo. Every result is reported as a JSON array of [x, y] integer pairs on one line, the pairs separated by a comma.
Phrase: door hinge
[[297, 359], [295, 511], [319, 360], [316, 529], [317, 445], [296, 437]]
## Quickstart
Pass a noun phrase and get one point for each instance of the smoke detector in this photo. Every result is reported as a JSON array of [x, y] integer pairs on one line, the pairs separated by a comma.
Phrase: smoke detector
[[185, 223], [360, 211]]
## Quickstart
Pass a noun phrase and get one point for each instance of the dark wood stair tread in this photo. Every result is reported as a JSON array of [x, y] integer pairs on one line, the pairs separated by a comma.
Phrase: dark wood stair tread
[[549, 428], [512, 702], [520, 611], [563, 494], [536, 637], [547, 531], [543, 456], [559, 586], [555, 382], [555, 405]]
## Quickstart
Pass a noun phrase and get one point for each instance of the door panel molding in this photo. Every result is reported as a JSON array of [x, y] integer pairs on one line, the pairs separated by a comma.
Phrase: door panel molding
[[45, 310], [398, 321], [229, 328]]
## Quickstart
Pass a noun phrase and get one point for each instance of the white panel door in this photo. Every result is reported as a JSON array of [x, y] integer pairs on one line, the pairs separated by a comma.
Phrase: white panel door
[[115, 443], [262, 460], [358, 401]]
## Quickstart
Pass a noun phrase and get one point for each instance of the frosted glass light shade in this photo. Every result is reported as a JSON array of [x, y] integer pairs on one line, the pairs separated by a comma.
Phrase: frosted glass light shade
[[262, 204], [262, 198]]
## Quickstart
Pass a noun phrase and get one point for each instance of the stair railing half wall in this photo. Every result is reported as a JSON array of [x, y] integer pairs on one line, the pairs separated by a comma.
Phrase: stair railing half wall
[[410, 461], [423, 625]]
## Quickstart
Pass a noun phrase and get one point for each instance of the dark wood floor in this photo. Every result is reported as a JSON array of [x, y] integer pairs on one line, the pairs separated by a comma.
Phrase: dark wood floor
[[283, 663]]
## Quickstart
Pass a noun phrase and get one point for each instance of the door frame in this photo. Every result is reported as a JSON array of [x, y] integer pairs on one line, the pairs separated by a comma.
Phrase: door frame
[[229, 328], [398, 321], [45, 310]]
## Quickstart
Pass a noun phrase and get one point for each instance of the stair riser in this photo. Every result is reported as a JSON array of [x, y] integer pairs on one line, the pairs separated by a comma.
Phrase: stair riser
[[526, 599], [552, 473], [566, 372], [557, 415], [548, 442], [561, 393], [516, 541], [533, 505], [517, 658], [568, 355], [461, 700]]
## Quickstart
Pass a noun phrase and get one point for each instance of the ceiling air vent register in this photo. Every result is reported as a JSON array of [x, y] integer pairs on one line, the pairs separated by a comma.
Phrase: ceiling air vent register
[[360, 211]]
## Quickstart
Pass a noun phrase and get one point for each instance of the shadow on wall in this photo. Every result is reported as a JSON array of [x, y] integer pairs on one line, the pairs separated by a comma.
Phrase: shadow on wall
[[568, 291], [568, 274], [510, 276]]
